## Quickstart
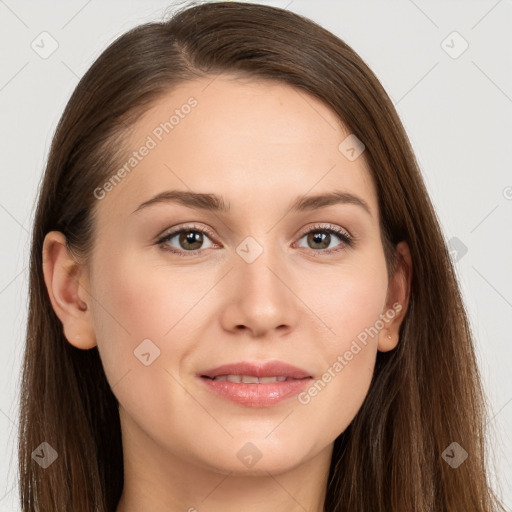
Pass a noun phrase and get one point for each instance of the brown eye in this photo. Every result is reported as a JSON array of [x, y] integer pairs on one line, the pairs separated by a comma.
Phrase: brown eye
[[189, 241], [319, 239]]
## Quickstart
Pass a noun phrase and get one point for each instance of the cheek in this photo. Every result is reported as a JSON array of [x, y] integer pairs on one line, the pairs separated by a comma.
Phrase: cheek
[[140, 300], [349, 301], [346, 300], [135, 302], [333, 399], [337, 393]]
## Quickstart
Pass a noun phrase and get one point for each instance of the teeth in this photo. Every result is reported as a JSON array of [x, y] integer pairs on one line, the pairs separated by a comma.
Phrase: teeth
[[250, 379], [272, 379]]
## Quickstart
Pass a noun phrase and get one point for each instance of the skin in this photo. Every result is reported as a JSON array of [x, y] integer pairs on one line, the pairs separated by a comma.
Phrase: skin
[[260, 145]]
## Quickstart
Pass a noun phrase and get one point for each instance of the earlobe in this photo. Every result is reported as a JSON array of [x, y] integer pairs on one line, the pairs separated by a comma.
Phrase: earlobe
[[387, 341], [61, 275]]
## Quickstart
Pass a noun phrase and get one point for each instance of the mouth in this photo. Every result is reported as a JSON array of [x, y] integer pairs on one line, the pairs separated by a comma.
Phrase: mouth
[[256, 384], [251, 379], [248, 369]]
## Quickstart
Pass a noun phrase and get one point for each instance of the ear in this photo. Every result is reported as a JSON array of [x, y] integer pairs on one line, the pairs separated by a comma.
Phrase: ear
[[397, 300], [67, 286]]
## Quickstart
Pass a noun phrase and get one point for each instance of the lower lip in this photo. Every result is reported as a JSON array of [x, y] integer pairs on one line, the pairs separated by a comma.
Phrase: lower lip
[[256, 395]]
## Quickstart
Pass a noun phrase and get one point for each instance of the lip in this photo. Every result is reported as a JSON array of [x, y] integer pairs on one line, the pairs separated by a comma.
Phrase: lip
[[260, 394], [266, 369]]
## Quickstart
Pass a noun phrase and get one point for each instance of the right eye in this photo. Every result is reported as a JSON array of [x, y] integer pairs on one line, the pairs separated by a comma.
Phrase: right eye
[[190, 238]]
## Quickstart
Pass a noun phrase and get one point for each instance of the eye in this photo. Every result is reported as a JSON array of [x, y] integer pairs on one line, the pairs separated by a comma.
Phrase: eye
[[189, 238], [320, 237]]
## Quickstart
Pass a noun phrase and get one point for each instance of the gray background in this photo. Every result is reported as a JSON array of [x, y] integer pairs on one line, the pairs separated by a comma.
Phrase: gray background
[[457, 110]]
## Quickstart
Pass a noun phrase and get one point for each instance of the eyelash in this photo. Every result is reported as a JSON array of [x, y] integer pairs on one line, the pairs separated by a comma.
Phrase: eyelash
[[347, 240]]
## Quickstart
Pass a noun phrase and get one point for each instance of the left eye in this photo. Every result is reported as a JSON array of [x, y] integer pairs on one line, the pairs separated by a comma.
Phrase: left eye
[[322, 236], [191, 239]]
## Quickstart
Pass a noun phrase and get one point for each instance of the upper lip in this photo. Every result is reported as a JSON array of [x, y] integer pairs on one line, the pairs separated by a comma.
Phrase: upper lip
[[257, 369]]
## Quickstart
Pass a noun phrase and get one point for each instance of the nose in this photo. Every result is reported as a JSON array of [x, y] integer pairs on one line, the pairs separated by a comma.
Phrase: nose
[[260, 298]]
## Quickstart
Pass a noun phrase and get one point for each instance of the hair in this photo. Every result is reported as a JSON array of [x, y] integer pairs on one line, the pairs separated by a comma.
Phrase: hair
[[390, 456]]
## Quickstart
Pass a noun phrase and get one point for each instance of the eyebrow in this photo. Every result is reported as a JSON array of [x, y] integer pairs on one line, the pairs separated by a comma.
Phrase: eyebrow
[[215, 203]]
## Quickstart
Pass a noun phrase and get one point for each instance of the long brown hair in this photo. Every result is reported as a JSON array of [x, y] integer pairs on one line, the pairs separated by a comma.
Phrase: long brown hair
[[390, 457]]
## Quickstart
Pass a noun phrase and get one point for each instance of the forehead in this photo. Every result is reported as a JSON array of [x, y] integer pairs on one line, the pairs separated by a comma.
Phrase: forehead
[[241, 139]]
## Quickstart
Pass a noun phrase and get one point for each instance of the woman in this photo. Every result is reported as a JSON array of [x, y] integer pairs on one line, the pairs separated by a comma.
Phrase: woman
[[306, 350]]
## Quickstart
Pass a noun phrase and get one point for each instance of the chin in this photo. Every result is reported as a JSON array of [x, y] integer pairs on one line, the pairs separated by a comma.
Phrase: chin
[[256, 456]]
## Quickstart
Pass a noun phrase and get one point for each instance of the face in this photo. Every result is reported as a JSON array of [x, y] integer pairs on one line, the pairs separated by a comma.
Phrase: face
[[260, 280]]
